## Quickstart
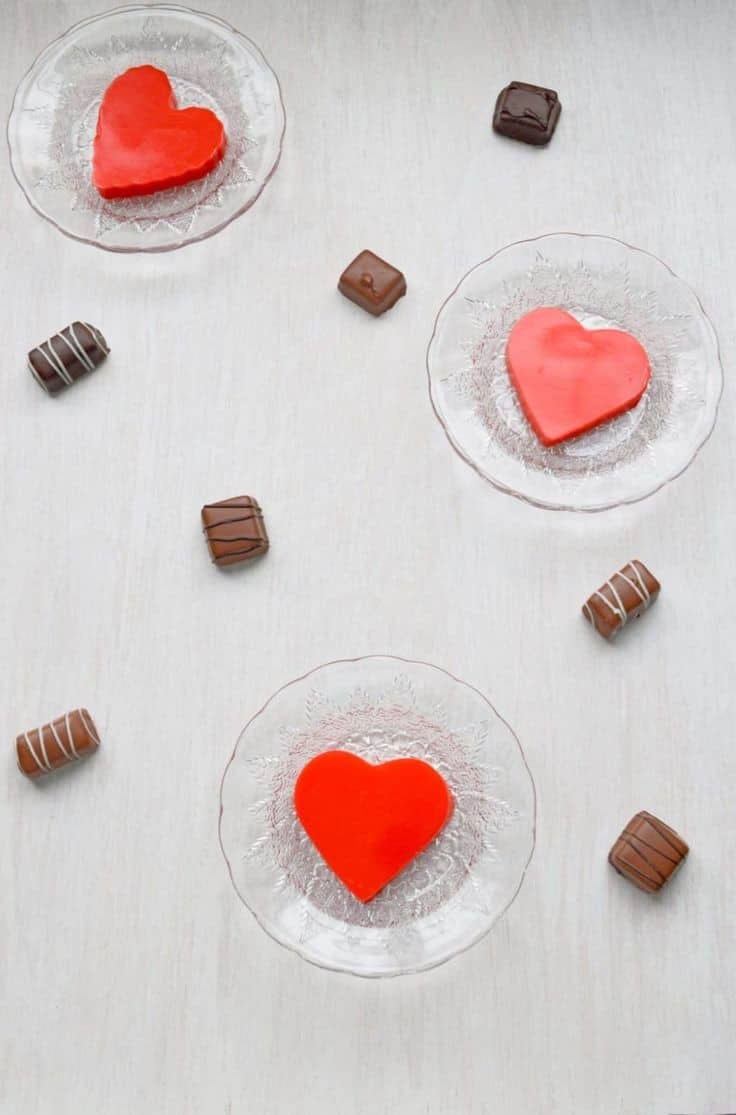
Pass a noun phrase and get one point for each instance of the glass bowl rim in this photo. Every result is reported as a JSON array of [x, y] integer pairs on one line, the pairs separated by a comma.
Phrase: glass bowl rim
[[293, 946], [11, 124], [533, 501]]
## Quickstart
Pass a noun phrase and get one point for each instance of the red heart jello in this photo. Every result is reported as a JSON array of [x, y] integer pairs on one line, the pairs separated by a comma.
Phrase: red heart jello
[[368, 822], [144, 143], [570, 379]]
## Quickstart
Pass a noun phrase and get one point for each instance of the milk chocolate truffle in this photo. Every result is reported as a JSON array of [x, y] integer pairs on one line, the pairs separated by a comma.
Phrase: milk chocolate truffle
[[371, 283], [67, 356], [62, 741], [648, 852], [526, 112], [235, 530], [624, 597]]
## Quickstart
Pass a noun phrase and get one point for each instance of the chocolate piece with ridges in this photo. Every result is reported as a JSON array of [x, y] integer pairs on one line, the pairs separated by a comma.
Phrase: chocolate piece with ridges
[[64, 358], [526, 112], [56, 744], [371, 283], [648, 852], [625, 596], [235, 530]]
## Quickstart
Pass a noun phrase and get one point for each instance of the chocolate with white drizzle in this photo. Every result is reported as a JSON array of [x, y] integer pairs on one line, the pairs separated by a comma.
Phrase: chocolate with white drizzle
[[62, 741], [64, 358], [235, 530], [627, 594]]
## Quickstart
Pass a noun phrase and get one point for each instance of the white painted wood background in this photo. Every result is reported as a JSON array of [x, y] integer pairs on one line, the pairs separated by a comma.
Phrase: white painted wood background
[[131, 977]]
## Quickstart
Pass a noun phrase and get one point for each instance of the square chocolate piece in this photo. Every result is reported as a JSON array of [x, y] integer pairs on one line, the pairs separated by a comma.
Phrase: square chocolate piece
[[627, 594], [648, 852], [526, 112], [371, 283], [235, 530]]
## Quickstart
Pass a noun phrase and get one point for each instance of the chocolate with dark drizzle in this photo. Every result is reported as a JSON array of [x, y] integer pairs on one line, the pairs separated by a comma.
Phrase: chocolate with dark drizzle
[[648, 852], [221, 523]]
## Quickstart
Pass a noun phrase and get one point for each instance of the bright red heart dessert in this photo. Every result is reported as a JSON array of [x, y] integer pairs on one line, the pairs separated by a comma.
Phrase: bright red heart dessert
[[369, 821], [145, 143], [570, 379]]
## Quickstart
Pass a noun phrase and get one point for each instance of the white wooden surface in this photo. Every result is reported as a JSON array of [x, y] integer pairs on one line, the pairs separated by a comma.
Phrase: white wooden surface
[[131, 978]]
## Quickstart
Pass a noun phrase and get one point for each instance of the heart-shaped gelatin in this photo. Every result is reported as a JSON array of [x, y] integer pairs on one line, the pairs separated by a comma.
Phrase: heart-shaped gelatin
[[570, 379], [144, 143], [369, 821]]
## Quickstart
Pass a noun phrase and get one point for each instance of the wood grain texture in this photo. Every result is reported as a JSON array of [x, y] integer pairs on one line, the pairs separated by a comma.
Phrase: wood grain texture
[[131, 978]]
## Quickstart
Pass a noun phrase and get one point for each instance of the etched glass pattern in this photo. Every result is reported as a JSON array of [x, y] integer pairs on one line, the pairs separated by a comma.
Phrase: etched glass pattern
[[54, 116], [604, 284], [381, 708]]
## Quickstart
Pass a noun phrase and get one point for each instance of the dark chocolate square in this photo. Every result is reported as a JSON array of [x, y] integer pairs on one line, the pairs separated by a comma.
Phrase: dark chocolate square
[[235, 530], [371, 283], [648, 852], [526, 112]]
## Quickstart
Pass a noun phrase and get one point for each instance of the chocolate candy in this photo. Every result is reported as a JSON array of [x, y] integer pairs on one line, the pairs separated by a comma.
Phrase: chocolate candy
[[63, 741], [628, 593], [67, 356], [526, 112], [235, 530], [372, 283], [648, 852]]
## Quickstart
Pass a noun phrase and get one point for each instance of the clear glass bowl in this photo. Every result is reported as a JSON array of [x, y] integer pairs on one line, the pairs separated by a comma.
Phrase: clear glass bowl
[[54, 116], [605, 284], [381, 708]]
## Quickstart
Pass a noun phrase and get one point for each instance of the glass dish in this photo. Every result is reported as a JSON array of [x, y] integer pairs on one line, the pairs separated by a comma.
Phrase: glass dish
[[54, 117], [380, 708], [604, 284]]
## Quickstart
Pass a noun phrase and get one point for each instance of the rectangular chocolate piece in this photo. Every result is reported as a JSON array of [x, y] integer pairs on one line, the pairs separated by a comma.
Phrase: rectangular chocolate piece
[[235, 530], [62, 741], [648, 852], [371, 283], [64, 358], [526, 112], [624, 597]]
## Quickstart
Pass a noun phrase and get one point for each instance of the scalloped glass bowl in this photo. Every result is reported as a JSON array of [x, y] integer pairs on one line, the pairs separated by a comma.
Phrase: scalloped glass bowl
[[605, 284], [54, 116], [380, 708]]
